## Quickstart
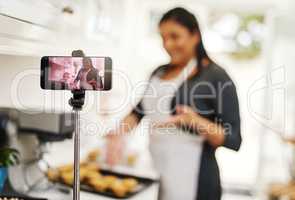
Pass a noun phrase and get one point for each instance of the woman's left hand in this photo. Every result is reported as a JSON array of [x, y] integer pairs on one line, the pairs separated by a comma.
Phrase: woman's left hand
[[184, 116], [92, 82]]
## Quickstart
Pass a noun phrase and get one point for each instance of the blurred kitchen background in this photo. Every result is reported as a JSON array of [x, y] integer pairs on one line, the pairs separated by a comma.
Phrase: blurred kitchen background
[[253, 40]]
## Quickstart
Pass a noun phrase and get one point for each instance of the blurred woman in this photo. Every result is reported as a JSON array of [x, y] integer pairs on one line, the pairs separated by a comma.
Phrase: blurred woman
[[192, 108], [88, 76]]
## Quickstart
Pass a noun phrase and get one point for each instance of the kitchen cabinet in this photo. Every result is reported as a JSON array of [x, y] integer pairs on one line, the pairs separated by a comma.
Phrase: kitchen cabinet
[[37, 28]]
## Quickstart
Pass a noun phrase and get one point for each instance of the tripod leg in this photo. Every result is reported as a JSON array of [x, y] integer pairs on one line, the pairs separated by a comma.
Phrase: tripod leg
[[77, 156], [77, 102]]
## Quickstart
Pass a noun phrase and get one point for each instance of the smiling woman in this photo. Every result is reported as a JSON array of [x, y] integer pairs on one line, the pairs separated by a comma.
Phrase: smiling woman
[[192, 108]]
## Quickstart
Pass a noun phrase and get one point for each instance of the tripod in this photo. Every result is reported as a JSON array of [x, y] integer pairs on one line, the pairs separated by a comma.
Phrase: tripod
[[77, 102]]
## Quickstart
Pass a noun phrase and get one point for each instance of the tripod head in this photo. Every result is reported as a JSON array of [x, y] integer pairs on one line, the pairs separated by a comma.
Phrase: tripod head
[[77, 101]]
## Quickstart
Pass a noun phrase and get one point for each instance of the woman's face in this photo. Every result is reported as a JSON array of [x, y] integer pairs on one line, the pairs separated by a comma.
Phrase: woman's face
[[178, 41], [87, 63]]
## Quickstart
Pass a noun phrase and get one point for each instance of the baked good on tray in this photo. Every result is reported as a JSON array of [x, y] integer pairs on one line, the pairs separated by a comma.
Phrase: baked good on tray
[[91, 166], [130, 184], [67, 177], [110, 180], [91, 176], [98, 184], [53, 175], [118, 188], [93, 155], [65, 168]]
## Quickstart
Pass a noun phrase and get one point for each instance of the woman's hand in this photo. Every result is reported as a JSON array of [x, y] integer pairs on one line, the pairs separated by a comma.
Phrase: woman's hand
[[185, 116], [93, 83], [116, 142]]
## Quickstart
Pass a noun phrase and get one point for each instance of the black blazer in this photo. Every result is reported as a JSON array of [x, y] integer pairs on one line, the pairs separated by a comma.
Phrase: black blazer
[[213, 95]]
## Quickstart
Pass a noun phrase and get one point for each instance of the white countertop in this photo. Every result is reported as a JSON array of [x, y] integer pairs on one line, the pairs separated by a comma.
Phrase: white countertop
[[151, 193]]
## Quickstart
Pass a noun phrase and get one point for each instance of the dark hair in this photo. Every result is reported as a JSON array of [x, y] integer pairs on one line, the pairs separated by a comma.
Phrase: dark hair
[[189, 21]]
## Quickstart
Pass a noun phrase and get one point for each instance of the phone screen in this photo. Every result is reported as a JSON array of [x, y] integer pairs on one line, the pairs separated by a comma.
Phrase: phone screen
[[76, 73]]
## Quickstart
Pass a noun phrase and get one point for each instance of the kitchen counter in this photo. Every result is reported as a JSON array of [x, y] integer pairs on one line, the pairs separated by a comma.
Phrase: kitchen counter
[[151, 193], [62, 153]]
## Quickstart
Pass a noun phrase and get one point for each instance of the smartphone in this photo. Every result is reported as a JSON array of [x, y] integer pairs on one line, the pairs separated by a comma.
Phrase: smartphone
[[76, 73]]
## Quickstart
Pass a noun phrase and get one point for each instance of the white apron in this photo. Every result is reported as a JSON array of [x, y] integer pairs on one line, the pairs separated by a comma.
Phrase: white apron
[[176, 154], [83, 82]]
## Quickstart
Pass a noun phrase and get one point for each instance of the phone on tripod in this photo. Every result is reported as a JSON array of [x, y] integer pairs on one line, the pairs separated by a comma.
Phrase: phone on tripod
[[76, 73]]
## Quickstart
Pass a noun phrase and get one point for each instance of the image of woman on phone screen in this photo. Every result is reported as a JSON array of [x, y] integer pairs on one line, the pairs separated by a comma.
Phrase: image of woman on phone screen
[[88, 76], [192, 108]]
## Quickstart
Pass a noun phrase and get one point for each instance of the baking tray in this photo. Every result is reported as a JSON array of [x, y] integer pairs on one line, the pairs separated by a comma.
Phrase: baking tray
[[143, 183]]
